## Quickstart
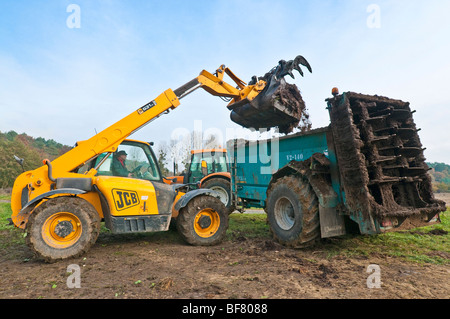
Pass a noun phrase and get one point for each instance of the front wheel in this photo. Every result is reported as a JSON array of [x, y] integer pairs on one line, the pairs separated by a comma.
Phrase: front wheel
[[62, 228], [203, 221]]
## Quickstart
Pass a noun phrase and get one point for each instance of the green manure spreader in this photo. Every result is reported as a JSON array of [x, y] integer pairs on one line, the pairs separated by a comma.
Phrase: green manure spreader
[[365, 172]]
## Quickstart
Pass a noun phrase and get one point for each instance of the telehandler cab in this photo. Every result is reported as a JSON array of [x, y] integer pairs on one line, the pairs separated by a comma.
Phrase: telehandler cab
[[61, 204]]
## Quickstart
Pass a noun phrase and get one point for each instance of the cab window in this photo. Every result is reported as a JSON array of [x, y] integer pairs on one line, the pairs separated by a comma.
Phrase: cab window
[[132, 159]]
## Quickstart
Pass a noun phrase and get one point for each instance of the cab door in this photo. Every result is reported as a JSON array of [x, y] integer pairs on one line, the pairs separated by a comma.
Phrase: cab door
[[133, 193]]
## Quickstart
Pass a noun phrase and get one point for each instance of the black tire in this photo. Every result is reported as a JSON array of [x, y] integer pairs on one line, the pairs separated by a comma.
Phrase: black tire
[[223, 187], [203, 221], [293, 212], [62, 227]]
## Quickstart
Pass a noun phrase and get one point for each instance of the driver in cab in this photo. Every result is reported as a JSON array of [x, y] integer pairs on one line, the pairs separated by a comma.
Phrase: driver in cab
[[118, 167]]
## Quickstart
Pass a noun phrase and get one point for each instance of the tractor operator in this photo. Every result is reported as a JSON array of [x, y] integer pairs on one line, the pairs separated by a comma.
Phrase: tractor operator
[[118, 165]]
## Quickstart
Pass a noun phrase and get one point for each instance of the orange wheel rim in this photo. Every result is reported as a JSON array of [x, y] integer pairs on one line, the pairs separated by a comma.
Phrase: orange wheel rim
[[206, 223], [62, 230]]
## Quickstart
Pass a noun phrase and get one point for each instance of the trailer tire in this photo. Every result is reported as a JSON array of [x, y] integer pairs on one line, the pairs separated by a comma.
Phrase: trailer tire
[[203, 221], [293, 212], [62, 227]]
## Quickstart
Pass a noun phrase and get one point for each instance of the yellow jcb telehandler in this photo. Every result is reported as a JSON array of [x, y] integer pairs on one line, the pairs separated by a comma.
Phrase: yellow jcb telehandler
[[111, 178]]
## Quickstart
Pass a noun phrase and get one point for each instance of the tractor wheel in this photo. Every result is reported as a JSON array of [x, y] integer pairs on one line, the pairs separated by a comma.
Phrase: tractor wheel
[[62, 228], [223, 188], [293, 212], [203, 221]]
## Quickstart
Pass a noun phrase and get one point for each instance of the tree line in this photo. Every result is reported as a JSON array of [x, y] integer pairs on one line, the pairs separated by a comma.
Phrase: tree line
[[440, 174], [32, 150], [172, 155]]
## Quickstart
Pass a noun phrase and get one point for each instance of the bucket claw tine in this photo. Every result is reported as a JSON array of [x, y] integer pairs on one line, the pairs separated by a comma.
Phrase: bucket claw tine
[[297, 67], [289, 67], [285, 68], [301, 60]]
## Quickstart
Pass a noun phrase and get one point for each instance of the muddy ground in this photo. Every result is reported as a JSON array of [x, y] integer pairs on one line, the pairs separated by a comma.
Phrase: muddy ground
[[161, 265]]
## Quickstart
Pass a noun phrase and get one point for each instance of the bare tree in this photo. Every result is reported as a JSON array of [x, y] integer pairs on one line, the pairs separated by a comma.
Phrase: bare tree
[[179, 150], [162, 152], [212, 141]]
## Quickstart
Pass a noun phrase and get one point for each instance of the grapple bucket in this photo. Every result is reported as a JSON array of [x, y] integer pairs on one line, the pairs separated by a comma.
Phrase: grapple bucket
[[279, 104]]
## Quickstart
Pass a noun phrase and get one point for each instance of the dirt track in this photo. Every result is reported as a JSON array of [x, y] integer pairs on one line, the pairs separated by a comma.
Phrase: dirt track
[[161, 266]]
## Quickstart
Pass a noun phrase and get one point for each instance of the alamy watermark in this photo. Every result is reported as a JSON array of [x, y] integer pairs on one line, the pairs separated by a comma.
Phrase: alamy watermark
[[74, 279], [74, 19], [240, 143], [374, 279], [374, 19]]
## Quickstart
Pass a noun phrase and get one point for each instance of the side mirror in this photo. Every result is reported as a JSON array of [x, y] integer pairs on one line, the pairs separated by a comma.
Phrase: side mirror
[[20, 161], [204, 168]]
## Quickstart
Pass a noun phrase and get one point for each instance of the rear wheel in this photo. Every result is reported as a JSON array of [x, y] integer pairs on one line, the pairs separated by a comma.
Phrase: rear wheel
[[203, 221], [223, 188], [62, 228], [293, 212]]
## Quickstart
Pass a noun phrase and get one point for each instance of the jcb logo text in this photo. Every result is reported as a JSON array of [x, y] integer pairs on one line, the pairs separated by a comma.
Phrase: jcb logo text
[[124, 199]]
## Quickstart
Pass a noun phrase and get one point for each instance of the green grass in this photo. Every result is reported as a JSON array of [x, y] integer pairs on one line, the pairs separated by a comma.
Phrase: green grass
[[5, 197], [5, 212], [248, 225], [428, 244], [9, 235], [420, 245]]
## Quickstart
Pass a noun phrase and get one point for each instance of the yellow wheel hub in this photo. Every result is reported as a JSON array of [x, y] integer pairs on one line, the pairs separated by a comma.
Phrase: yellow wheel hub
[[61, 230], [206, 223]]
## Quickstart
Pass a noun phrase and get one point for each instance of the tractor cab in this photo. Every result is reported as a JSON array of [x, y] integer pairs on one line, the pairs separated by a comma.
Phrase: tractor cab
[[205, 162]]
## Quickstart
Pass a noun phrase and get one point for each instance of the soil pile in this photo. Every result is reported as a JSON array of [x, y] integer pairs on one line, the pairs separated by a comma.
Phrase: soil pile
[[280, 105], [290, 97]]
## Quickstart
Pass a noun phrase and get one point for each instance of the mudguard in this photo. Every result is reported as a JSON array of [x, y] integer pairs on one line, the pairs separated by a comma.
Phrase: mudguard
[[185, 199], [70, 191], [22, 216]]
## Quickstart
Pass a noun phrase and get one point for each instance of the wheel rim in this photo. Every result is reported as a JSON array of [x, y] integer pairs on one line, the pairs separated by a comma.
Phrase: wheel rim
[[223, 194], [61, 230], [206, 223], [284, 213]]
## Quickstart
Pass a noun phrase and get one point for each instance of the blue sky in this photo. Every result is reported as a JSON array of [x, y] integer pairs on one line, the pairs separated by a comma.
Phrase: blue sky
[[66, 83]]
